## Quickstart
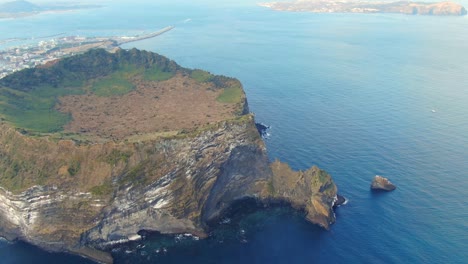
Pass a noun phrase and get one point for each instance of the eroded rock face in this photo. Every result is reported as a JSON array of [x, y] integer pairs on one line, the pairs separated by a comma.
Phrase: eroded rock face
[[197, 175], [381, 183], [171, 186], [49, 218], [312, 190]]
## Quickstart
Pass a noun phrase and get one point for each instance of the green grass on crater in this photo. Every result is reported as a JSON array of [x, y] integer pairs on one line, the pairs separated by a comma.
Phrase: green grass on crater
[[113, 85], [35, 110], [156, 74], [201, 76], [231, 95]]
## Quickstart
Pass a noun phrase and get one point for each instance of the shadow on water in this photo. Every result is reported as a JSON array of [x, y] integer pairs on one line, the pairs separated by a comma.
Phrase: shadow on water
[[377, 193], [248, 233], [20, 252]]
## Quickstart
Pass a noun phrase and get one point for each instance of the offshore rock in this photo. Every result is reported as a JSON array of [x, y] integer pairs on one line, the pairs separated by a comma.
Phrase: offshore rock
[[381, 183]]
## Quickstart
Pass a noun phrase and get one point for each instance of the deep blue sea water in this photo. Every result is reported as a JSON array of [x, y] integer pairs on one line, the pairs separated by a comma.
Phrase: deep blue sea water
[[350, 93]]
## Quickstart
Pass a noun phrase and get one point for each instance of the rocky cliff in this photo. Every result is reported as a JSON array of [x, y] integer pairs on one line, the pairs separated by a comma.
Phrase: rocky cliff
[[83, 195]]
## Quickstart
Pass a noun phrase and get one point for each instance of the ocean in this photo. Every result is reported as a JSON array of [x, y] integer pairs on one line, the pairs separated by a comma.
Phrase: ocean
[[357, 95]]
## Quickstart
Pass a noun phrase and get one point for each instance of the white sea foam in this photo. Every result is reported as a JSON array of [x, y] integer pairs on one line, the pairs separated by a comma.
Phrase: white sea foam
[[134, 237], [225, 221]]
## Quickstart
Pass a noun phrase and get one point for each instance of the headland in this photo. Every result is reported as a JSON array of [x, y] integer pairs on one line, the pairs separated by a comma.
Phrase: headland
[[98, 147], [369, 7]]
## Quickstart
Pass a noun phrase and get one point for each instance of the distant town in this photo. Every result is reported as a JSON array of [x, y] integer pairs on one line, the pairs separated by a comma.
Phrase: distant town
[[47, 50]]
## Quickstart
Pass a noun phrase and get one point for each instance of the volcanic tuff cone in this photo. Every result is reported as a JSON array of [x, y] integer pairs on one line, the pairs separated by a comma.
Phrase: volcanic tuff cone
[[96, 147]]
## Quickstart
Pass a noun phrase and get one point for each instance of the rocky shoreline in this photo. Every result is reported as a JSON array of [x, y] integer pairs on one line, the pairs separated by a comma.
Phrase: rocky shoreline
[[339, 201]]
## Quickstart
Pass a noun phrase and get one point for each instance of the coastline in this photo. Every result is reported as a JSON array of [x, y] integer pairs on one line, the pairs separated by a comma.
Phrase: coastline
[[43, 12], [358, 7]]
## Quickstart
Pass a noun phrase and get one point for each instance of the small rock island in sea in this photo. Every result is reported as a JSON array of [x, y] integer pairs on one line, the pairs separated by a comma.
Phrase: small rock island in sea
[[381, 183], [400, 7], [97, 147]]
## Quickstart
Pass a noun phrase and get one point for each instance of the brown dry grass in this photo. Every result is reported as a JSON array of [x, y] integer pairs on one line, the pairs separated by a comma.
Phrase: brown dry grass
[[85, 47], [173, 105]]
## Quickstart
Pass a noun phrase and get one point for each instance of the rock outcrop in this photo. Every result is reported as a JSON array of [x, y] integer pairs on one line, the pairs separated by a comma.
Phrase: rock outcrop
[[312, 190], [82, 196], [381, 183]]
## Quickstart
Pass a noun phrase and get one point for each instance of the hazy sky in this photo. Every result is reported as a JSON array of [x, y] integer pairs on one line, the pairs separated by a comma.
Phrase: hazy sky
[[140, 1], [214, 2]]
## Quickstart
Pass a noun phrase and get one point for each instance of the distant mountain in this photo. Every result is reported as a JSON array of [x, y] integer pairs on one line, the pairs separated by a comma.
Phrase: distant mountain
[[22, 8], [19, 6]]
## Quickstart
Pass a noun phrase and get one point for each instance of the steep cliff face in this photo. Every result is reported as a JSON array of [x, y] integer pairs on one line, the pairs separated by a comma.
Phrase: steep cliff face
[[155, 185], [169, 185], [50, 218], [176, 200], [82, 196]]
